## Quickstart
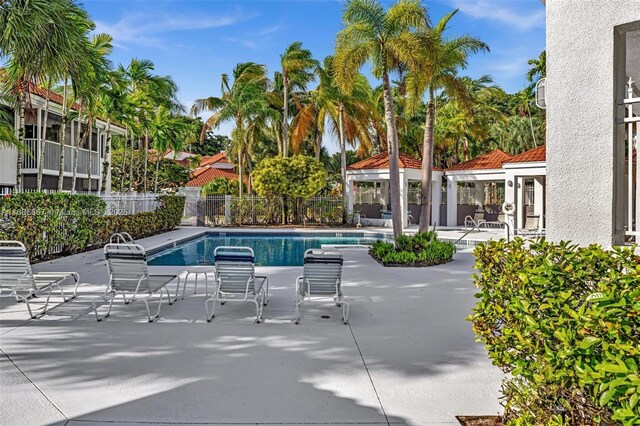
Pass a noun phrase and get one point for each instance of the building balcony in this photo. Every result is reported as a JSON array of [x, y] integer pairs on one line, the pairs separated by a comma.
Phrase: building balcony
[[52, 160]]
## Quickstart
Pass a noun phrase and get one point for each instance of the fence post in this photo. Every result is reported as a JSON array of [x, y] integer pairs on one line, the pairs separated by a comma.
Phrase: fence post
[[227, 209]]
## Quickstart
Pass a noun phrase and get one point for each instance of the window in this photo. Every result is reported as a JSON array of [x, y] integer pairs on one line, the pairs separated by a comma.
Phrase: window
[[627, 202]]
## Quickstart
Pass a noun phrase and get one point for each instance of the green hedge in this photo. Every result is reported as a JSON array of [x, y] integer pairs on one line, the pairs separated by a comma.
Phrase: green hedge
[[61, 224], [421, 249], [564, 322]]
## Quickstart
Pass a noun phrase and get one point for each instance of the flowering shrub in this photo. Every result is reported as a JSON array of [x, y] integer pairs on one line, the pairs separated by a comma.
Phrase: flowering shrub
[[564, 322]]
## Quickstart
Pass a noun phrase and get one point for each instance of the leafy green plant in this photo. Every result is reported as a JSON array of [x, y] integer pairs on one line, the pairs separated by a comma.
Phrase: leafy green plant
[[564, 323], [421, 249], [61, 224]]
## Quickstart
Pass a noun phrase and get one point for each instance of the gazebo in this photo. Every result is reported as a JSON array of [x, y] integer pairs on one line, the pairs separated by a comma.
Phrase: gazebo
[[368, 190], [489, 180]]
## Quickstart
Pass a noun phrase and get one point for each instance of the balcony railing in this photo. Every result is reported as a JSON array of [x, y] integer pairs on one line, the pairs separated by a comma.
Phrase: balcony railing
[[52, 158]]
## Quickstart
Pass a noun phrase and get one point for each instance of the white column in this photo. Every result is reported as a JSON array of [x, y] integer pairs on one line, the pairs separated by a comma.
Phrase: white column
[[404, 201], [538, 199], [350, 195], [510, 187], [452, 201], [519, 202], [436, 200]]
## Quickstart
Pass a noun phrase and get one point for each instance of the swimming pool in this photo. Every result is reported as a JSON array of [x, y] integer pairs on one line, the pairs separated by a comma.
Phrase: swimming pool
[[271, 249]]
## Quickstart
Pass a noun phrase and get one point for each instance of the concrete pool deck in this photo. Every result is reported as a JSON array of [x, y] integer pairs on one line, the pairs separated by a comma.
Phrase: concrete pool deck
[[408, 356]]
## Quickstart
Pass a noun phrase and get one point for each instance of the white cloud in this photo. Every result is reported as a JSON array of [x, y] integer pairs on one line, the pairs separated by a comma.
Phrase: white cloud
[[500, 12], [270, 30], [144, 29]]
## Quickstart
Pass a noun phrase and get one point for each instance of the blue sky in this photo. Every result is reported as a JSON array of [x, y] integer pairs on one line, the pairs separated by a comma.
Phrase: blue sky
[[196, 41]]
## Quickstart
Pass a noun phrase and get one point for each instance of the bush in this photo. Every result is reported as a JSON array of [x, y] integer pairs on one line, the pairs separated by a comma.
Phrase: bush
[[63, 224], [564, 322], [421, 249]]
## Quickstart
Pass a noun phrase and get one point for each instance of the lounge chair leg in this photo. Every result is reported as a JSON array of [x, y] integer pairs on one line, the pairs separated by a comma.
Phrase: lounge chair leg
[[195, 285], [206, 284], [345, 312], [146, 303], [296, 319], [95, 308], [210, 314], [184, 287], [171, 302], [266, 297]]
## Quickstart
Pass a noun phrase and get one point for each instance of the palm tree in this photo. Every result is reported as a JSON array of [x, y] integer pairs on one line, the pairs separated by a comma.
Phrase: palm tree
[[522, 105], [349, 116], [385, 39], [297, 71], [436, 67], [41, 38], [538, 68], [242, 101], [95, 69], [167, 131]]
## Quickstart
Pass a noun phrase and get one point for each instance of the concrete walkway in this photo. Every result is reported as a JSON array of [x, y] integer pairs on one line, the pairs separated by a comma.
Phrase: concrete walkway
[[408, 356]]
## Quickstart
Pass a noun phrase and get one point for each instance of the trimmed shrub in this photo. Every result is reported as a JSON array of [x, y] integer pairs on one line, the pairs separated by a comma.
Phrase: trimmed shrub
[[421, 249], [564, 323], [61, 224]]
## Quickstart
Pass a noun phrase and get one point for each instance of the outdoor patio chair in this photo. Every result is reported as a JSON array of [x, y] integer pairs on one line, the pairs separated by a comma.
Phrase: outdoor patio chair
[[17, 280], [321, 278], [236, 280], [129, 276], [531, 226], [498, 223], [476, 221]]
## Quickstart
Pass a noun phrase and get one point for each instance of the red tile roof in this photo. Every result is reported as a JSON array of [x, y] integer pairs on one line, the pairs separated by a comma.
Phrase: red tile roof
[[53, 96], [220, 157], [205, 175], [381, 161], [531, 156], [490, 160]]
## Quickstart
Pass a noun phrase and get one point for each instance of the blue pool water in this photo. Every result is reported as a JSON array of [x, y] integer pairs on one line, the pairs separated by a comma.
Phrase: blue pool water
[[269, 249]]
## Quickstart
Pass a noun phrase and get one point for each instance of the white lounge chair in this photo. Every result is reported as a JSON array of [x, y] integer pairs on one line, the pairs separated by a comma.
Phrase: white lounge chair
[[236, 280], [17, 280], [476, 221], [129, 276], [531, 227], [322, 278]]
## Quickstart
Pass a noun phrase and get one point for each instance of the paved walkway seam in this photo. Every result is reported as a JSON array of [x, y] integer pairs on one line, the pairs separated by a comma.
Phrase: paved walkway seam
[[369, 374], [35, 386]]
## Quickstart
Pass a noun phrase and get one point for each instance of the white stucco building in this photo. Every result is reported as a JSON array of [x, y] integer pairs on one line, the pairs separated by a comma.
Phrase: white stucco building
[[593, 110], [92, 149]]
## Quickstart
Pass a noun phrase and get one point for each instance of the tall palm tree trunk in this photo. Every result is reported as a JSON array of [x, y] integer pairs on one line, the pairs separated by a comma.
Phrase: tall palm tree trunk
[[107, 166], [343, 162], [533, 134], [146, 158], [42, 141], [131, 168], [76, 152], [22, 106], [427, 166], [318, 143], [285, 117], [155, 186], [90, 136], [392, 143], [63, 136]]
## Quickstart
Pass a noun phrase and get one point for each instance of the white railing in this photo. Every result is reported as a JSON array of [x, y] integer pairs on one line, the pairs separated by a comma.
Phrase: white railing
[[121, 204], [631, 121], [52, 158]]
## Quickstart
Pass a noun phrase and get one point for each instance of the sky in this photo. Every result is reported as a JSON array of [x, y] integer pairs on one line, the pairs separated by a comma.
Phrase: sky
[[195, 41]]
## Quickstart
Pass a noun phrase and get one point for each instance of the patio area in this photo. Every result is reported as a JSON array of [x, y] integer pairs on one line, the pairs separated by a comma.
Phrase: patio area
[[407, 357]]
